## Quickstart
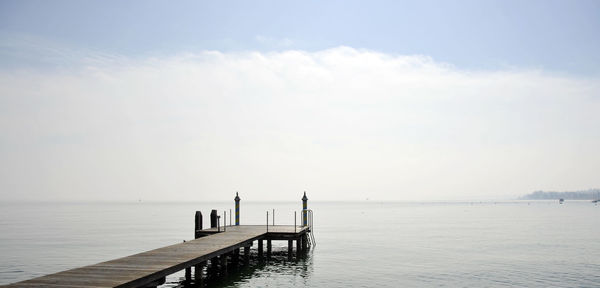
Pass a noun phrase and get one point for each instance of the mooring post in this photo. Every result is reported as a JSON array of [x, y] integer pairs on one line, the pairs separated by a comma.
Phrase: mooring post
[[298, 246], [304, 208], [237, 209], [268, 248], [290, 245], [197, 224], [260, 249], [213, 218], [225, 220]]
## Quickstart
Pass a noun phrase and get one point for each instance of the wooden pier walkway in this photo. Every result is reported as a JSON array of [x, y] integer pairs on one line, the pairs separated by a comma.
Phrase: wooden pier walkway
[[149, 269]]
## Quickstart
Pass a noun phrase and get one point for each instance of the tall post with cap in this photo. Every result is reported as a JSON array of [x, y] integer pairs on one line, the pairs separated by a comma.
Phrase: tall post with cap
[[304, 208], [197, 224], [237, 209]]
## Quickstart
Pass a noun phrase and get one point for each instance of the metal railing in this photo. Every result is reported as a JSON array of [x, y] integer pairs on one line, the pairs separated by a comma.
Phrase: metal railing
[[309, 223]]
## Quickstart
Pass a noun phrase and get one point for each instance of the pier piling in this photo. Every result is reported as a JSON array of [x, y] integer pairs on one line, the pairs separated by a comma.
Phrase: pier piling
[[235, 259], [198, 274], [188, 274], [298, 247], [247, 254], [304, 243], [224, 264]]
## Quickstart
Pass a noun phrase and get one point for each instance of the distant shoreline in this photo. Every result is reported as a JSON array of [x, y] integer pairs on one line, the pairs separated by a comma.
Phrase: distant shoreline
[[590, 194]]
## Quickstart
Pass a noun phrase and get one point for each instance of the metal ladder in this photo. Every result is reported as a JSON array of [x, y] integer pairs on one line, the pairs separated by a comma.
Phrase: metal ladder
[[309, 220]]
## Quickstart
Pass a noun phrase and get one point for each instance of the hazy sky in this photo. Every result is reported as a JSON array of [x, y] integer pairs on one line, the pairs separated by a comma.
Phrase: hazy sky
[[424, 100]]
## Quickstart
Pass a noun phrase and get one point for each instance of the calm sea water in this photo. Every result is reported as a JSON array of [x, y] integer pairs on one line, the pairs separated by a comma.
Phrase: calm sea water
[[525, 244]]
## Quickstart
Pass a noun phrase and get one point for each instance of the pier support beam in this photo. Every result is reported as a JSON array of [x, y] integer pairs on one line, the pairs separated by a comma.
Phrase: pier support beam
[[235, 260], [304, 243], [247, 254], [290, 248], [298, 247], [260, 249], [268, 248], [198, 274], [188, 274], [213, 268], [223, 264]]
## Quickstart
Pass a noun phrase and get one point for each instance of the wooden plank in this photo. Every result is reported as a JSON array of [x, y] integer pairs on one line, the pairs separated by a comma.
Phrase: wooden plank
[[149, 266]]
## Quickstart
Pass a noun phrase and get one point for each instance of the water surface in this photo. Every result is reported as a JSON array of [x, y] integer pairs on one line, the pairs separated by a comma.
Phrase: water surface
[[365, 244]]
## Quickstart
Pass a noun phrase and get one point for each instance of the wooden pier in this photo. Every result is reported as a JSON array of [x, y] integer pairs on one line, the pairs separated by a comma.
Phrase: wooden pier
[[149, 269], [217, 246]]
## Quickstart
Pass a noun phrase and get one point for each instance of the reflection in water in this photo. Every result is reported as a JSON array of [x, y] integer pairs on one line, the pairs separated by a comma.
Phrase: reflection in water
[[280, 265]]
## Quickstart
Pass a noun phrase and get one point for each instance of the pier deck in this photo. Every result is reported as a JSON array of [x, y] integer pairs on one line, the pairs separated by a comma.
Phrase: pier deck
[[145, 268]]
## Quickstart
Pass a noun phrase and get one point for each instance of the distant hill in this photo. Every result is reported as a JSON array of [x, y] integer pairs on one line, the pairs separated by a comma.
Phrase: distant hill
[[590, 194]]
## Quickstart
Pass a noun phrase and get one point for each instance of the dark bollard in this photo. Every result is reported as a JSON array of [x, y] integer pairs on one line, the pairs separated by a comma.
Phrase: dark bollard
[[213, 219], [197, 224], [237, 209]]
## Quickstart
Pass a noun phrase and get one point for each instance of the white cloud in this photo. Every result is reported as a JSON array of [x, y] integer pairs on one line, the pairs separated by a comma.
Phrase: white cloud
[[341, 123]]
